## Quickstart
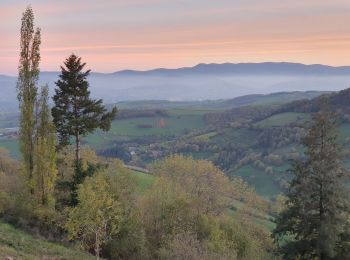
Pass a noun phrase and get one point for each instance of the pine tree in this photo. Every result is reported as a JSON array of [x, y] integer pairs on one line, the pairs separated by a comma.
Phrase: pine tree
[[75, 113], [28, 75], [45, 169], [314, 223]]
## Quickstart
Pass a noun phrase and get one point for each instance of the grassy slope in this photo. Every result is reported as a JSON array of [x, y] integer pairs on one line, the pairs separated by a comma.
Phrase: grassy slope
[[19, 245], [283, 119], [262, 182], [178, 122], [144, 181]]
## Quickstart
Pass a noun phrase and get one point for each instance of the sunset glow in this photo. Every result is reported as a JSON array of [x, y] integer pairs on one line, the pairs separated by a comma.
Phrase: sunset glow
[[144, 34]]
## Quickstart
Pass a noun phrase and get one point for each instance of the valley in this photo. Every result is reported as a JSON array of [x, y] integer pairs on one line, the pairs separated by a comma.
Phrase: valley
[[253, 137]]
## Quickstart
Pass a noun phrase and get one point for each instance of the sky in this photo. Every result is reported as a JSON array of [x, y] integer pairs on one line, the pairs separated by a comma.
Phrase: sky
[[113, 35]]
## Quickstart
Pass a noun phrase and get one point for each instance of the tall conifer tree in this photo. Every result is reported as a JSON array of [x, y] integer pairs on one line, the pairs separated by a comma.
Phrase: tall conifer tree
[[75, 113], [314, 223], [28, 75]]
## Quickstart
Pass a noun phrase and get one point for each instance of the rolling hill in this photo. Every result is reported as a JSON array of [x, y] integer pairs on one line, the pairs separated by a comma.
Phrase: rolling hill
[[252, 136]]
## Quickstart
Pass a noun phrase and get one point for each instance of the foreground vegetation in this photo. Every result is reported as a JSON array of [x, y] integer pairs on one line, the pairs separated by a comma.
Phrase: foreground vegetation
[[146, 215]]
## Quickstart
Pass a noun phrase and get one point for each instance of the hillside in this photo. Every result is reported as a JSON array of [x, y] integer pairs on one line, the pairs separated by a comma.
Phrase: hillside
[[180, 117], [16, 244], [255, 142]]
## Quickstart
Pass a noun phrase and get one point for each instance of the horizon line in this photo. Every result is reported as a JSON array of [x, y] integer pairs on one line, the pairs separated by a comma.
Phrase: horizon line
[[195, 65]]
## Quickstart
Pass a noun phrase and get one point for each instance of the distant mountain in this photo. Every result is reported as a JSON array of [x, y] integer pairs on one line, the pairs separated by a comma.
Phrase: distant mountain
[[201, 82], [265, 68]]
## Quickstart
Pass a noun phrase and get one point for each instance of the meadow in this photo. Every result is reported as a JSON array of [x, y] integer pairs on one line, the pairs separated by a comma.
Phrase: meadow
[[283, 119], [179, 122]]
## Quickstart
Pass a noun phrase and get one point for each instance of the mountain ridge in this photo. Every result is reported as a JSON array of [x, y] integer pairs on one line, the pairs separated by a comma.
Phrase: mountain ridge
[[233, 68], [286, 68]]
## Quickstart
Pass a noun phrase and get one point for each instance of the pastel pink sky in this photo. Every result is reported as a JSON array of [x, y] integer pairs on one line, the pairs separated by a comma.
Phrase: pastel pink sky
[[113, 35]]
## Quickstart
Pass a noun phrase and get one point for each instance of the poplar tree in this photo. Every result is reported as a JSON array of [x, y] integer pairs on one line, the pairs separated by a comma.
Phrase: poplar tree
[[28, 75], [315, 222], [75, 114], [45, 169]]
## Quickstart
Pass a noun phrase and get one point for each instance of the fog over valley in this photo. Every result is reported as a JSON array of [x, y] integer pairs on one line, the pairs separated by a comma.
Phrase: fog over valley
[[202, 82]]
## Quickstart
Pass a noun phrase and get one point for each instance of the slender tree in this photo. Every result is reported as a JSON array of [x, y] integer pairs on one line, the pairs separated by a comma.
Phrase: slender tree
[[75, 113], [45, 169], [28, 75], [314, 223]]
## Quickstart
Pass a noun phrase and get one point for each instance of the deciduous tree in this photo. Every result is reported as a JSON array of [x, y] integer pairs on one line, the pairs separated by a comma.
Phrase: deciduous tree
[[28, 76], [104, 208], [209, 186], [45, 169]]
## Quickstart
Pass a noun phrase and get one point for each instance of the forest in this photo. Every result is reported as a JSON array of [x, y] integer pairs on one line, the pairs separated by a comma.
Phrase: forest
[[258, 179]]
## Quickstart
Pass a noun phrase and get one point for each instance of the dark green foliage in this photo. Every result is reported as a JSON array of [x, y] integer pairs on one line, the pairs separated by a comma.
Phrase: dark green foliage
[[75, 113], [116, 151], [315, 221], [129, 243], [79, 176]]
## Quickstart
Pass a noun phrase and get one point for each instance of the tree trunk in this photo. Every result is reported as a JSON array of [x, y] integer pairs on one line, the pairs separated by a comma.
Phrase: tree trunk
[[77, 147], [97, 246], [31, 160], [43, 197]]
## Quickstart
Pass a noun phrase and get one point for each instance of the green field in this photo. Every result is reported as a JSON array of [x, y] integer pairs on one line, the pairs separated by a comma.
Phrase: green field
[[143, 180], [262, 182], [283, 119], [16, 244], [179, 122]]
